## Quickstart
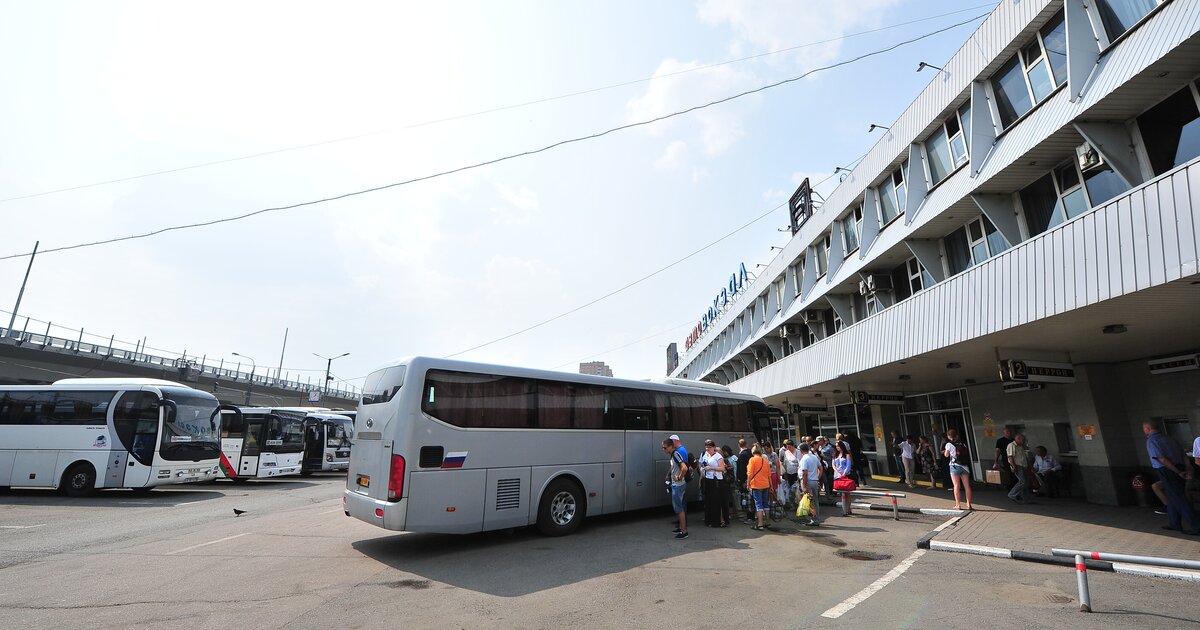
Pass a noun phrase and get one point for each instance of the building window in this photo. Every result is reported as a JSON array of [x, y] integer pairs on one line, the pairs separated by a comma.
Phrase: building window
[[1119, 16], [947, 147], [918, 278], [779, 288], [1033, 73], [893, 195], [1066, 193], [798, 273], [1171, 131], [851, 227], [822, 250], [972, 244]]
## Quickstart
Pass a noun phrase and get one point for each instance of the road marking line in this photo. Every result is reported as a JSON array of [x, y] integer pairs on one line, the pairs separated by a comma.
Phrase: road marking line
[[21, 526], [331, 511], [171, 553], [861, 596], [189, 503], [948, 523]]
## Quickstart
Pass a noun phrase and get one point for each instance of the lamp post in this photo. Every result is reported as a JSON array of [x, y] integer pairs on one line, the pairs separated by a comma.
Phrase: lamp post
[[249, 381], [328, 362]]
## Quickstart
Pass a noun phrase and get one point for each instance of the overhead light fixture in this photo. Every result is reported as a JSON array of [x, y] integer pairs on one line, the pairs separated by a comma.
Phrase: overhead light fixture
[[873, 127], [1114, 329], [905, 377], [921, 66], [953, 365]]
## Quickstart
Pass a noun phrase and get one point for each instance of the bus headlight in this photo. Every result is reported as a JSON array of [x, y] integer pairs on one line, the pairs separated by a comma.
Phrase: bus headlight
[[328, 457]]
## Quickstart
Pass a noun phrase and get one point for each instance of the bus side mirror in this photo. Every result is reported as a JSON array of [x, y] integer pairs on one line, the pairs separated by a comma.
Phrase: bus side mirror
[[228, 418]]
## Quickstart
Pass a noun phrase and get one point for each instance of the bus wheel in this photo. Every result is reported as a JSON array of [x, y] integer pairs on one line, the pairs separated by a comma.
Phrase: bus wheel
[[79, 481], [561, 509]]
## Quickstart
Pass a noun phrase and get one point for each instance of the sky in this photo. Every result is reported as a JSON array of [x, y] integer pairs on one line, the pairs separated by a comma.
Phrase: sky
[[607, 249]]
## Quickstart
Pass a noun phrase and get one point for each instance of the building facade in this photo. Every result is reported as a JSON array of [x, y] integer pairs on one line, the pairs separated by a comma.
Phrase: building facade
[[1019, 249], [595, 368]]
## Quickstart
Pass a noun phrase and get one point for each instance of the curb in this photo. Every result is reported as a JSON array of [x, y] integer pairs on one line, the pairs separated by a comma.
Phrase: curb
[[907, 510]]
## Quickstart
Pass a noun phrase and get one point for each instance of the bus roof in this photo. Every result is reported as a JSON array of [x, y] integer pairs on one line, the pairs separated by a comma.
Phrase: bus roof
[[668, 385], [158, 382]]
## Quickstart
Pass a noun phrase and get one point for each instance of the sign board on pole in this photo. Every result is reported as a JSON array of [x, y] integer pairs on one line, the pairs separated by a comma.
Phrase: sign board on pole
[[1020, 370], [314, 396]]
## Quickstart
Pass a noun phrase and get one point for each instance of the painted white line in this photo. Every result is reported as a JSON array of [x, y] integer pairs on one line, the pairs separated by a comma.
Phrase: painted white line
[[938, 545], [948, 523], [1160, 572], [941, 512], [189, 503], [171, 553], [21, 526], [861, 596], [331, 511]]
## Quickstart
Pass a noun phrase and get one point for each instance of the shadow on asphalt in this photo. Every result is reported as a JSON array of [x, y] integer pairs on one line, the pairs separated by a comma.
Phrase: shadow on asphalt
[[512, 563]]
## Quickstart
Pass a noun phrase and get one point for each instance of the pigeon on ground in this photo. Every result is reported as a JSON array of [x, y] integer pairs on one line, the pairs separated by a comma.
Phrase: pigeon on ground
[[237, 512]]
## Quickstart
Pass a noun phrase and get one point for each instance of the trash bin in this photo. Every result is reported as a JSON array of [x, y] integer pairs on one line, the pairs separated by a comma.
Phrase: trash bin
[[1139, 490]]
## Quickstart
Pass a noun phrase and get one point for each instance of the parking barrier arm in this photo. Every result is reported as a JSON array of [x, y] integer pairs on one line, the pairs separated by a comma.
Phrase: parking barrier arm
[[1120, 557]]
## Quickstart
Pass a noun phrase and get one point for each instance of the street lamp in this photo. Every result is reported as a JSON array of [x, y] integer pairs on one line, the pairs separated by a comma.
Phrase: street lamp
[[328, 362], [249, 381]]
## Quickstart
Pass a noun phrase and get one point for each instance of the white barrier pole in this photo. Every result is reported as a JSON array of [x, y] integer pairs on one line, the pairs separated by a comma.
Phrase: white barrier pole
[[1085, 598]]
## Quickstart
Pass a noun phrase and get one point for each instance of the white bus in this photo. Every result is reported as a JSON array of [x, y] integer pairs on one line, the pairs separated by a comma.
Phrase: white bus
[[81, 434], [261, 442], [453, 447], [326, 442]]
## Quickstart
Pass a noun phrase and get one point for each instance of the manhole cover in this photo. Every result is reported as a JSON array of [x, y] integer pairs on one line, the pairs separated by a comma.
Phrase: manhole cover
[[855, 554]]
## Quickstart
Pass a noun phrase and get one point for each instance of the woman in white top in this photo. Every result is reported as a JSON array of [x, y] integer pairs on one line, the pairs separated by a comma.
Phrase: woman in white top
[[712, 467], [960, 475]]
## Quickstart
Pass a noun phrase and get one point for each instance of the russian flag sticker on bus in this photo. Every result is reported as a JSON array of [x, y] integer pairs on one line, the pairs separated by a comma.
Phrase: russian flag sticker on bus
[[454, 460]]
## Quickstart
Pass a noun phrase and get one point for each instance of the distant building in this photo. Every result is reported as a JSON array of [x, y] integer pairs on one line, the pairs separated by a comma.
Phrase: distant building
[[599, 368]]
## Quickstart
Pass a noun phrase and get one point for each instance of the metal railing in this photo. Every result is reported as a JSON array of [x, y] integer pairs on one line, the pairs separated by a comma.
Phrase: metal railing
[[1085, 596], [183, 363]]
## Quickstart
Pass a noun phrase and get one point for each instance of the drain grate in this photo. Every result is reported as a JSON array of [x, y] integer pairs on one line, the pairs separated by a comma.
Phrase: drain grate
[[855, 554]]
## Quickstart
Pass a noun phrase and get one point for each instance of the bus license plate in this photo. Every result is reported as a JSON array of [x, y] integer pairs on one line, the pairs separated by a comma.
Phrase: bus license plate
[[364, 481]]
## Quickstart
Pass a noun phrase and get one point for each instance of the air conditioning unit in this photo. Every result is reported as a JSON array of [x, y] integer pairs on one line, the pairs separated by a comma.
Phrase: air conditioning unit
[[1089, 158], [792, 330], [814, 317], [875, 282]]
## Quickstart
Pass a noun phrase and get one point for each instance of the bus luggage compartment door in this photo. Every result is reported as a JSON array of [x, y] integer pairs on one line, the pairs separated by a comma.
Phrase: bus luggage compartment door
[[446, 501]]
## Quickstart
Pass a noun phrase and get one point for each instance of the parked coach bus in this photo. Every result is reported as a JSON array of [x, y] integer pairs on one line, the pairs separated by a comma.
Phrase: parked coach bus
[[326, 442], [259, 442], [81, 434], [454, 447]]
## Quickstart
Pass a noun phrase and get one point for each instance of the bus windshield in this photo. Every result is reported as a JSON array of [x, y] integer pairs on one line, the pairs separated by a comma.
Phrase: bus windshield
[[338, 433], [190, 430]]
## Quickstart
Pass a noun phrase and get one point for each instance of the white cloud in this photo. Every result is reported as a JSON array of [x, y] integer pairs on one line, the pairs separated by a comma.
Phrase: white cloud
[[775, 25], [672, 157], [719, 127], [518, 208]]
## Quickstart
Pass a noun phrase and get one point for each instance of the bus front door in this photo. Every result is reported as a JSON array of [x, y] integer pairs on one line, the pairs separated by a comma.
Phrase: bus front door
[[137, 420], [643, 488], [251, 448], [314, 446]]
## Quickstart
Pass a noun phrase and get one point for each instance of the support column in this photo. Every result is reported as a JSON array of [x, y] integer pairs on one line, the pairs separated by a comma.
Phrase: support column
[[1108, 459]]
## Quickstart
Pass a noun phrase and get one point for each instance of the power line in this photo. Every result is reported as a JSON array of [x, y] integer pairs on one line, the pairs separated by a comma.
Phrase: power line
[[492, 110], [513, 156], [612, 293], [632, 343]]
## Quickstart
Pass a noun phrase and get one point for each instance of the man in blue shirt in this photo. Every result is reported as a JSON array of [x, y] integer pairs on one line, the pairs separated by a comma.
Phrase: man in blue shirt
[[1167, 459]]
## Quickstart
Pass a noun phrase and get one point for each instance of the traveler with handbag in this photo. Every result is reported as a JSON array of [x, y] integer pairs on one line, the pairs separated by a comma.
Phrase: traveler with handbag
[[960, 474], [743, 462], [712, 466], [842, 481], [810, 480]]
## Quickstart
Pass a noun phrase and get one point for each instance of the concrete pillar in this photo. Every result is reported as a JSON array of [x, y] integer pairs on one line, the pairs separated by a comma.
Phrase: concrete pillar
[[1108, 459]]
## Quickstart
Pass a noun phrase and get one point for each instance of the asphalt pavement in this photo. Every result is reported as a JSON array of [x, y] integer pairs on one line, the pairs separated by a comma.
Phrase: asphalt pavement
[[181, 558]]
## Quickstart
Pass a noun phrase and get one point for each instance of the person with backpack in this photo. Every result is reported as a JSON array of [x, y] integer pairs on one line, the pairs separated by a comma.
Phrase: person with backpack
[[743, 461], [758, 478], [960, 471], [677, 482]]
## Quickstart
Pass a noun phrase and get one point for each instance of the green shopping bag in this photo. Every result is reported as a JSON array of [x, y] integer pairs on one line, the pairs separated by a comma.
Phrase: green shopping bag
[[804, 510]]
